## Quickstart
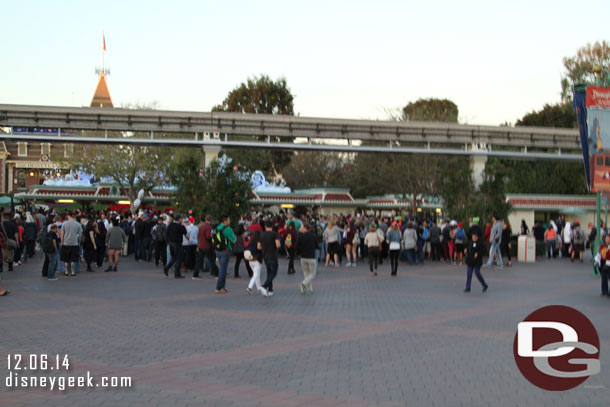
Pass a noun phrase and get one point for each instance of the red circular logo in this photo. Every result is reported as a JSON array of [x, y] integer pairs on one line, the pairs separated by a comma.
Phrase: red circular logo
[[556, 348]]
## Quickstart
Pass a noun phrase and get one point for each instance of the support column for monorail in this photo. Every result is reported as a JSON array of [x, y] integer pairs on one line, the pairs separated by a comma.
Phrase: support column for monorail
[[477, 165]]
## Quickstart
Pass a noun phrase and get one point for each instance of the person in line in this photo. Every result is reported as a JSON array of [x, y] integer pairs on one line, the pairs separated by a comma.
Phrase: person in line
[[550, 238], [30, 231], [409, 241], [12, 238], [255, 261], [115, 239], [100, 244], [71, 232], [224, 254], [495, 240], [506, 246], [474, 259], [524, 229], [591, 238], [269, 245], [89, 247], [435, 242], [306, 246], [373, 244], [52, 254], [331, 237], [138, 227], [206, 258], [394, 240], [604, 251], [460, 239], [238, 251], [175, 232], [290, 237], [160, 245], [579, 241]]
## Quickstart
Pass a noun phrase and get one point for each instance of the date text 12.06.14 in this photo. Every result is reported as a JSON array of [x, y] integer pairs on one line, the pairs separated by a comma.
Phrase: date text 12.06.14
[[18, 361]]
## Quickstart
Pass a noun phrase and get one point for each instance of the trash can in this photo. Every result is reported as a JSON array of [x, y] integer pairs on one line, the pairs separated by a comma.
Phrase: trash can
[[526, 249]]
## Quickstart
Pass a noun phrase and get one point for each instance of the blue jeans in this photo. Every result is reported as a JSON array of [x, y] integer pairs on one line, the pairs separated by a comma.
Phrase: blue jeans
[[420, 251], [411, 256], [223, 259], [495, 250], [550, 248], [477, 271], [271, 266], [146, 249], [52, 264], [176, 261], [137, 249]]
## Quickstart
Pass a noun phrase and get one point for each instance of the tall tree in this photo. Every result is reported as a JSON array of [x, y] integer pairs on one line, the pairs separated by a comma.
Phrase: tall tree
[[431, 110], [590, 64], [546, 177], [264, 96], [131, 167], [317, 169]]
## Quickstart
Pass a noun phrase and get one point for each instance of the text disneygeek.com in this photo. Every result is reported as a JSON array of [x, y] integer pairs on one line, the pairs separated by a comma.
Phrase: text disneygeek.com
[[19, 365]]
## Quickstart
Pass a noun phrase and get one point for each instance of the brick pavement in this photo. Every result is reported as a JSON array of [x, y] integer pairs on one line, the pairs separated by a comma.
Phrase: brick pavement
[[413, 340]]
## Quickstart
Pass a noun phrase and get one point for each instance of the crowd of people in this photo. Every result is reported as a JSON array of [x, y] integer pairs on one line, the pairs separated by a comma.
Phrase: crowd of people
[[205, 246]]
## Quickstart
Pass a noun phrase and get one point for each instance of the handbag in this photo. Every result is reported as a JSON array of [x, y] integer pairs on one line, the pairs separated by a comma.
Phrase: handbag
[[7, 256], [11, 243], [248, 255], [394, 246]]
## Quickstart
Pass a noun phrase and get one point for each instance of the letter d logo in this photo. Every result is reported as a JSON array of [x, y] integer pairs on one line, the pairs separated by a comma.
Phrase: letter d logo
[[556, 348]]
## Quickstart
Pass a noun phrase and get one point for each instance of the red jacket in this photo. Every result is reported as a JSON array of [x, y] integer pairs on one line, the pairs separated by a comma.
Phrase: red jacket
[[204, 236]]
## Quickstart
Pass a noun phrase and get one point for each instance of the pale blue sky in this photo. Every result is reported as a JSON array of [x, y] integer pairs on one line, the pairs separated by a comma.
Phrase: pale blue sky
[[347, 59]]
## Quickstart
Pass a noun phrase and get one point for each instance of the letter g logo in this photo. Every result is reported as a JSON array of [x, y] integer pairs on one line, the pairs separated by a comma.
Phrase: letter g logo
[[553, 344]]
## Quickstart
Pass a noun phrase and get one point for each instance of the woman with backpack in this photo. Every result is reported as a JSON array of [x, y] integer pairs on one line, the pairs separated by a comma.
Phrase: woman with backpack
[[254, 260], [460, 239], [350, 246], [30, 231], [394, 240], [89, 246], [238, 251], [100, 244], [290, 239]]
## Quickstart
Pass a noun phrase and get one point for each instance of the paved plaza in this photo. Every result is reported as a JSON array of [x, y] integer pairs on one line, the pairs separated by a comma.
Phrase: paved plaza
[[414, 340]]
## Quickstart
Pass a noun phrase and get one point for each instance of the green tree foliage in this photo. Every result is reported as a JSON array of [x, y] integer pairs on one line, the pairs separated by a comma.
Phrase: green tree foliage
[[185, 172], [259, 95], [558, 115], [264, 96], [455, 186], [431, 110], [317, 169], [590, 64], [492, 199], [228, 191], [221, 189], [400, 174], [547, 177], [131, 167]]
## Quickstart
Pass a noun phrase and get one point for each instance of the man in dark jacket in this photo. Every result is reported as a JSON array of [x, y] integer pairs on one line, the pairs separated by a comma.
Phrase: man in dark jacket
[[306, 246], [175, 233], [474, 260]]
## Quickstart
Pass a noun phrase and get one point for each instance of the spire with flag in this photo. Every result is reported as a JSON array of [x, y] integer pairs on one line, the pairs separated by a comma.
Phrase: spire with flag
[[101, 98]]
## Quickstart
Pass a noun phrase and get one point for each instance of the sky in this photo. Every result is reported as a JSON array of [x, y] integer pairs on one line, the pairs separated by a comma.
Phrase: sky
[[497, 60]]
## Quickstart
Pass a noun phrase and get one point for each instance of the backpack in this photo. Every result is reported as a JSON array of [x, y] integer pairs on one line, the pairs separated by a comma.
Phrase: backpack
[[288, 241], [46, 243], [356, 239], [460, 235], [219, 240], [426, 234]]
